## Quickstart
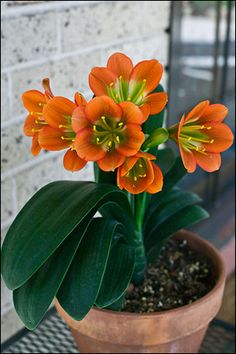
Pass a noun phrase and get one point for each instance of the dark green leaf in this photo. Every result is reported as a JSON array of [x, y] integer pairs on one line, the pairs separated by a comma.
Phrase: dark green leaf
[[104, 177], [176, 172], [174, 201], [81, 285], [165, 159], [32, 299], [47, 219], [118, 274], [176, 222]]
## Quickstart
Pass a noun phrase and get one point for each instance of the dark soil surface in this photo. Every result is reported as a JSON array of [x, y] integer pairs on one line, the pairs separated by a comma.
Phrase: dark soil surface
[[179, 277]]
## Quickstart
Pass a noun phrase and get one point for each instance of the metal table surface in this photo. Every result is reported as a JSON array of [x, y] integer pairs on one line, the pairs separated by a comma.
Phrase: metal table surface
[[53, 336]]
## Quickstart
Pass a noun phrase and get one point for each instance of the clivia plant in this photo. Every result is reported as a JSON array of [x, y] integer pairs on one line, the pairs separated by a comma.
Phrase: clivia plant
[[56, 247]]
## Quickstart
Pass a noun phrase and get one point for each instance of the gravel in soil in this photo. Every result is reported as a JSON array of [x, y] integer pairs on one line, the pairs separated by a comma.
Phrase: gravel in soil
[[179, 277]]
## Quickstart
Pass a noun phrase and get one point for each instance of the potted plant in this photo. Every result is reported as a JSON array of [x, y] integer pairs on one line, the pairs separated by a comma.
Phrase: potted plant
[[130, 280]]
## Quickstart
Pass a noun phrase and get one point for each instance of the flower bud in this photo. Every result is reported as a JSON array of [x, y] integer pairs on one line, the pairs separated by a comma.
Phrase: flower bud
[[158, 136]]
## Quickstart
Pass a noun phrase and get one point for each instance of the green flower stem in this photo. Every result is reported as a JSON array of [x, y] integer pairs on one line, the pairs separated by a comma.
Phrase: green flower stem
[[139, 202]]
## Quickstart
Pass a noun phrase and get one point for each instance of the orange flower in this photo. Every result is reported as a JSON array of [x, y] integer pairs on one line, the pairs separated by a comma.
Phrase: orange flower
[[123, 82], [138, 174], [107, 132], [59, 134], [201, 136], [34, 101]]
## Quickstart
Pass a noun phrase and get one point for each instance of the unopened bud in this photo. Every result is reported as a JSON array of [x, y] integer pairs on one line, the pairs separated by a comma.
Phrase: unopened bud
[[158, 136]]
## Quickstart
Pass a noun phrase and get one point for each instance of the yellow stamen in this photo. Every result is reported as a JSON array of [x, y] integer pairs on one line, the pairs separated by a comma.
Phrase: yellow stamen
[[203, 150], [189, 138], [40, 104], [140, 165], [63, 138], [135, 178], [129, 98], [203, 126], [212, 141], [117, 96], [103, 118], [111, 84], [109, 143], [120, 77], [144, 80], [142, 176], [94, 128], [37, 113], [35, 130], [97, 140], [63, 126], [118, 139], [120, 124], [208, 128]]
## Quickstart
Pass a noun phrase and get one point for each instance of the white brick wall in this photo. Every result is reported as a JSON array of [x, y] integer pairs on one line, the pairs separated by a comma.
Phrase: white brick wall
[[62, 40]]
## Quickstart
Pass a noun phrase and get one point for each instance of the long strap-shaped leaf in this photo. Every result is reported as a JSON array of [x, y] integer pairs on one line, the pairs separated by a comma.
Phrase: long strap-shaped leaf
[[179, 220], [81, 285], [47, 219], [32, 299], [118, 273], [176, 172], [174, 201]]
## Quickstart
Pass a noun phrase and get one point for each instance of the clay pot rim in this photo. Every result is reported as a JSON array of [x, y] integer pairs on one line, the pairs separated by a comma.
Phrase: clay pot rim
[[189, 307]]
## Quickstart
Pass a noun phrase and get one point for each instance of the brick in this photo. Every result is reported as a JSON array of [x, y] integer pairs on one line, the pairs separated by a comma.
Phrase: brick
[[28, 37], [15, 147], [4, 98], [67, 76], [30, 181], [156, 16], [7, 201], [101, 23]]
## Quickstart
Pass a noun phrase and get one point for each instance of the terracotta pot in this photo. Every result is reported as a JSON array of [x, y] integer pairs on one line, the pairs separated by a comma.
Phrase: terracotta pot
[[179, 330]]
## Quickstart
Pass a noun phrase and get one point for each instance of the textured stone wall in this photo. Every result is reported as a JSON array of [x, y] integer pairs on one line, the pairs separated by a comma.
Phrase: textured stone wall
[[62, 40]]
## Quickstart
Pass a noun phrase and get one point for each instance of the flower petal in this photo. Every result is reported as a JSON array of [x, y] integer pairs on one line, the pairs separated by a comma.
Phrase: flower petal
[[156, 101], [102, 106], [131, 113], [30, 125], [145, 109], [120, 64], [99, 79], [128, 165], [35, 148], [79, 99], [214, 112], [111, 161], [86, 148], [50, 139], [157, 183], [197, 111], [134, 138], [72, 162], [79, 119], [33, 100], [149, 70], [188, 159], [222, 136], [58, 111], [208, 162]]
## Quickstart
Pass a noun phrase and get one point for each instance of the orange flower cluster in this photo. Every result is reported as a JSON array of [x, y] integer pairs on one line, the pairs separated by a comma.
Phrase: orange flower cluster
[[108, 128]]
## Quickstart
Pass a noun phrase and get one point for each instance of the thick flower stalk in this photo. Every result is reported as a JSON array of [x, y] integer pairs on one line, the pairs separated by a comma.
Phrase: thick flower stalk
[[202, 136], [34, 101], [107, 132], [123, 82]]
